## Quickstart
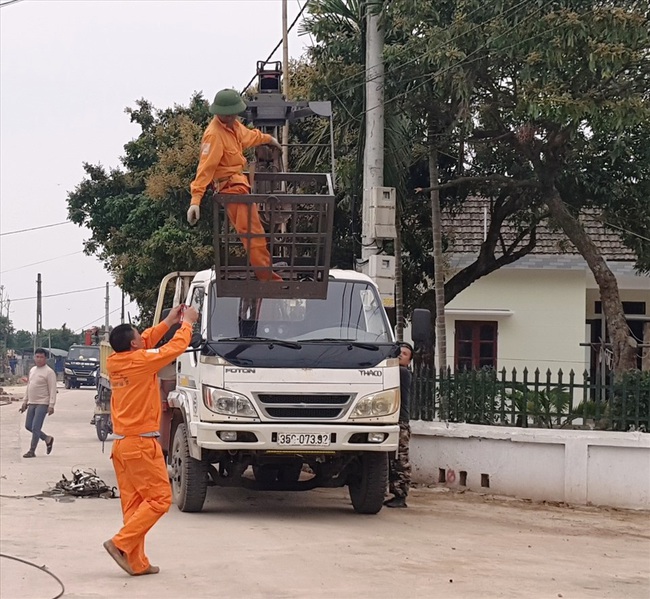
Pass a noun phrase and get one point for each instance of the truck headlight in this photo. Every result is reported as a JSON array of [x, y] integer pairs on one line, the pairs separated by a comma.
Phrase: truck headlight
[[383, 403], [68, 371], [228, 403]]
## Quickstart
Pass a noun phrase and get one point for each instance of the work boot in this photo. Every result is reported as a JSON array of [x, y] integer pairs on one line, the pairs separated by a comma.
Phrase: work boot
[[49, 444], [29, 454], [396, 502]]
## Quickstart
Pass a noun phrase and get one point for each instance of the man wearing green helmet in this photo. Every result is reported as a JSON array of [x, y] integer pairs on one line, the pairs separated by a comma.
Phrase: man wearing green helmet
[[221, 165]]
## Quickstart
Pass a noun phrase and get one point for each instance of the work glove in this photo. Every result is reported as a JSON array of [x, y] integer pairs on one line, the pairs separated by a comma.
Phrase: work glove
[[193, 215], [275, 143]]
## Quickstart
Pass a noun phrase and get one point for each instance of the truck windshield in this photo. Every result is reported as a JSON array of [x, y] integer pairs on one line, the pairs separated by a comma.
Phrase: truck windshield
[[352, 311], [88, 352]]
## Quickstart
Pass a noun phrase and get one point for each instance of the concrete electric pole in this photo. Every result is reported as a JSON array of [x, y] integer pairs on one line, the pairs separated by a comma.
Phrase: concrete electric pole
[[378, 208], [285, 83], [39, 310], [106, 309]]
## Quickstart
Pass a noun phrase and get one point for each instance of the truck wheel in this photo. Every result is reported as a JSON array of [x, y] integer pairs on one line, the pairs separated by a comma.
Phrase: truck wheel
[[189, 477], [67, 383], [367, 485], [102, 427]]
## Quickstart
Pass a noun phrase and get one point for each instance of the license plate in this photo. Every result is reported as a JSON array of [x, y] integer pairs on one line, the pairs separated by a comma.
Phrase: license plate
[[304, 439]]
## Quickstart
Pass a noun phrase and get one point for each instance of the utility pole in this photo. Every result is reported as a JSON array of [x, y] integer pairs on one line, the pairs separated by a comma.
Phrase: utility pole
[[39, 310], [106, 308], [285, 84], [122, 313], [373, 156]]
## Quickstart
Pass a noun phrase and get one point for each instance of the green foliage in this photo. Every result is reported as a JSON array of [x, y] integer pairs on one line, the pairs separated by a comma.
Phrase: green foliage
[[21, 339], [630, 405], [61, 338]]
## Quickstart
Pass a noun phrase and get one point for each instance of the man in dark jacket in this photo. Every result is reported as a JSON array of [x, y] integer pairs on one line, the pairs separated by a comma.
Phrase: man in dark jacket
[[399, 480]]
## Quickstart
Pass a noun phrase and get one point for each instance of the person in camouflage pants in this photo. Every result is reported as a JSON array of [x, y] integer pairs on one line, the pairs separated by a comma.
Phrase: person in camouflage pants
[[399, 480]]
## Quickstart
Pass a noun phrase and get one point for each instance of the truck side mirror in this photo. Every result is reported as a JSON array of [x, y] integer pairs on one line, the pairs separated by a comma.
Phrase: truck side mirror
[[196, 341], [421, 327]]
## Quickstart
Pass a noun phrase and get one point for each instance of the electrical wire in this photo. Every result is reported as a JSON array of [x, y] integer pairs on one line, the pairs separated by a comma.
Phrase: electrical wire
[[41, 262], [626, 231], [83, 328], [20, 299], [65, 222], [42, 568], [8, 2], [279, 44]]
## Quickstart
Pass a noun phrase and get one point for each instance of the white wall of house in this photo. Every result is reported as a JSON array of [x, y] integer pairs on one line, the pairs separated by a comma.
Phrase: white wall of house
[[540, 314], [575, 466]]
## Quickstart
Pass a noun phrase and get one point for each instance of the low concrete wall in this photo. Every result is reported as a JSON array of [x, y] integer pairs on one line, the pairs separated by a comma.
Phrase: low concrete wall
[[575, 466]]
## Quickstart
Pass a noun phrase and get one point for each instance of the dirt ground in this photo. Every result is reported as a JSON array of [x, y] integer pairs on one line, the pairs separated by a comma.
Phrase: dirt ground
[[274, 545]]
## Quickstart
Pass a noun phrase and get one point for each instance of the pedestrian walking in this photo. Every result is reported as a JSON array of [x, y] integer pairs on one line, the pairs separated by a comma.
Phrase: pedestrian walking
[[40, 397], [137, 456], [399, 476]]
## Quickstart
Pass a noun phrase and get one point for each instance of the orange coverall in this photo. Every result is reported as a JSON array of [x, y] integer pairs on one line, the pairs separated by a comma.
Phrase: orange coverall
[[221, 164], [138, 461]]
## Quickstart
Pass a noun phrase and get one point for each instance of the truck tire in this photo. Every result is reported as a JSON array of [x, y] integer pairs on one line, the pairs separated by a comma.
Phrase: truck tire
[[67, 383], [102, 427], [189, 477], [367, 486]]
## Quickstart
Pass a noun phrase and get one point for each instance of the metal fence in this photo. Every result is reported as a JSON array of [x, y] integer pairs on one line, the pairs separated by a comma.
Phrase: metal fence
[[532, 399]]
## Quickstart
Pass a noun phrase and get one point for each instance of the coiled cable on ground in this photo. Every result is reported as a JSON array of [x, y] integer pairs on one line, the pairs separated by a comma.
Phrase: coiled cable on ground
[[43, 568]]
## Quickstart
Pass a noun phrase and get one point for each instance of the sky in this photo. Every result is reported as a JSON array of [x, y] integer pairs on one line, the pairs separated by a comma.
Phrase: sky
[[68, 69]]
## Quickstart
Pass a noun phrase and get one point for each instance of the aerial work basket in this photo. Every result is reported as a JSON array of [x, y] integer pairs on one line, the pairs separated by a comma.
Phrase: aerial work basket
[[297, 212]]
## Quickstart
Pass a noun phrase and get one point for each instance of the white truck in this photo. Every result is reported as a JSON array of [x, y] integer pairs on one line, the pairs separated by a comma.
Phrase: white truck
[[283, 393]]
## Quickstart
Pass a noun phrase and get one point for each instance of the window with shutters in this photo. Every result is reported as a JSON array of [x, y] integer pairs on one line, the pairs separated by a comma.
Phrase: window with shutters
[[476, 344]]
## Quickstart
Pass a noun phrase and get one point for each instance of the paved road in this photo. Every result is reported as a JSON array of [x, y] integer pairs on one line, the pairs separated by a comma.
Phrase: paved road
[[270, 545]]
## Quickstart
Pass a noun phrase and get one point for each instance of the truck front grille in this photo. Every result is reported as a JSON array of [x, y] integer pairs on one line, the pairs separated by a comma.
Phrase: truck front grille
[[304, 407]]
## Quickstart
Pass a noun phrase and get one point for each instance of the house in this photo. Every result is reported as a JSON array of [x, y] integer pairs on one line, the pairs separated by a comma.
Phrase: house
[[543, 311]]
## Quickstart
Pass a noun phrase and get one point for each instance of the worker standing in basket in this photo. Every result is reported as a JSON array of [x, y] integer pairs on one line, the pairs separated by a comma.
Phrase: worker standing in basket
[[221, 165]]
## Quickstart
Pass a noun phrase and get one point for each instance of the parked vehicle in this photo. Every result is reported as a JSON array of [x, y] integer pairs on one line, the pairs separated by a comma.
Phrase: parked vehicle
[[81, 366]]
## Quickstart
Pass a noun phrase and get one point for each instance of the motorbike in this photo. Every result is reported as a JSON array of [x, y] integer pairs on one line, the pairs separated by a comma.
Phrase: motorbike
[[102, 417]]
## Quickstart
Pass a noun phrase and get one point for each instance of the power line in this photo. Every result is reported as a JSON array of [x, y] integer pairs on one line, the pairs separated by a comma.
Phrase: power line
[[8, 2], [279, 44], [83, 328], [41, 262], [65, 222], [626, 231], [20, 299]]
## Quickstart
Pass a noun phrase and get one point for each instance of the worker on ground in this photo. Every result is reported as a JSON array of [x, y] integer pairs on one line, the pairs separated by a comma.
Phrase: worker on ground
[[221, 167], [137, 456], [399, 475]]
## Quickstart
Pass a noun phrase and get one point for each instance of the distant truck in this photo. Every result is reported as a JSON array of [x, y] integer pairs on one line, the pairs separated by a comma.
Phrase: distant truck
[[81, 366]]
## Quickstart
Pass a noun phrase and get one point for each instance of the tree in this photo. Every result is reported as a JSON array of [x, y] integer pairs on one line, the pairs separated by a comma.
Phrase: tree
[[61, 338], [578, 75], [22, 340]]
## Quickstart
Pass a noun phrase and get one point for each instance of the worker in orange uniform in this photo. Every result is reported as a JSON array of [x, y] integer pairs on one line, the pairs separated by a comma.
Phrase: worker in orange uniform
[[221, 165], [137, 457]]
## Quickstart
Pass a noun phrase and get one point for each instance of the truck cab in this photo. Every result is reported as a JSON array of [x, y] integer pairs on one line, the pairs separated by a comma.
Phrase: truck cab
[[284, 393], [81, 366]]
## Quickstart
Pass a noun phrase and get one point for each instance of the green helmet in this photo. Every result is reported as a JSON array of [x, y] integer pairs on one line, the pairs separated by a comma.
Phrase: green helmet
[[227, 102]]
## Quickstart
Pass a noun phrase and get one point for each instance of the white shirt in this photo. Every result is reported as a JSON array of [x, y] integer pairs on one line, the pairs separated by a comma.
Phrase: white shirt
[[41, 386]]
